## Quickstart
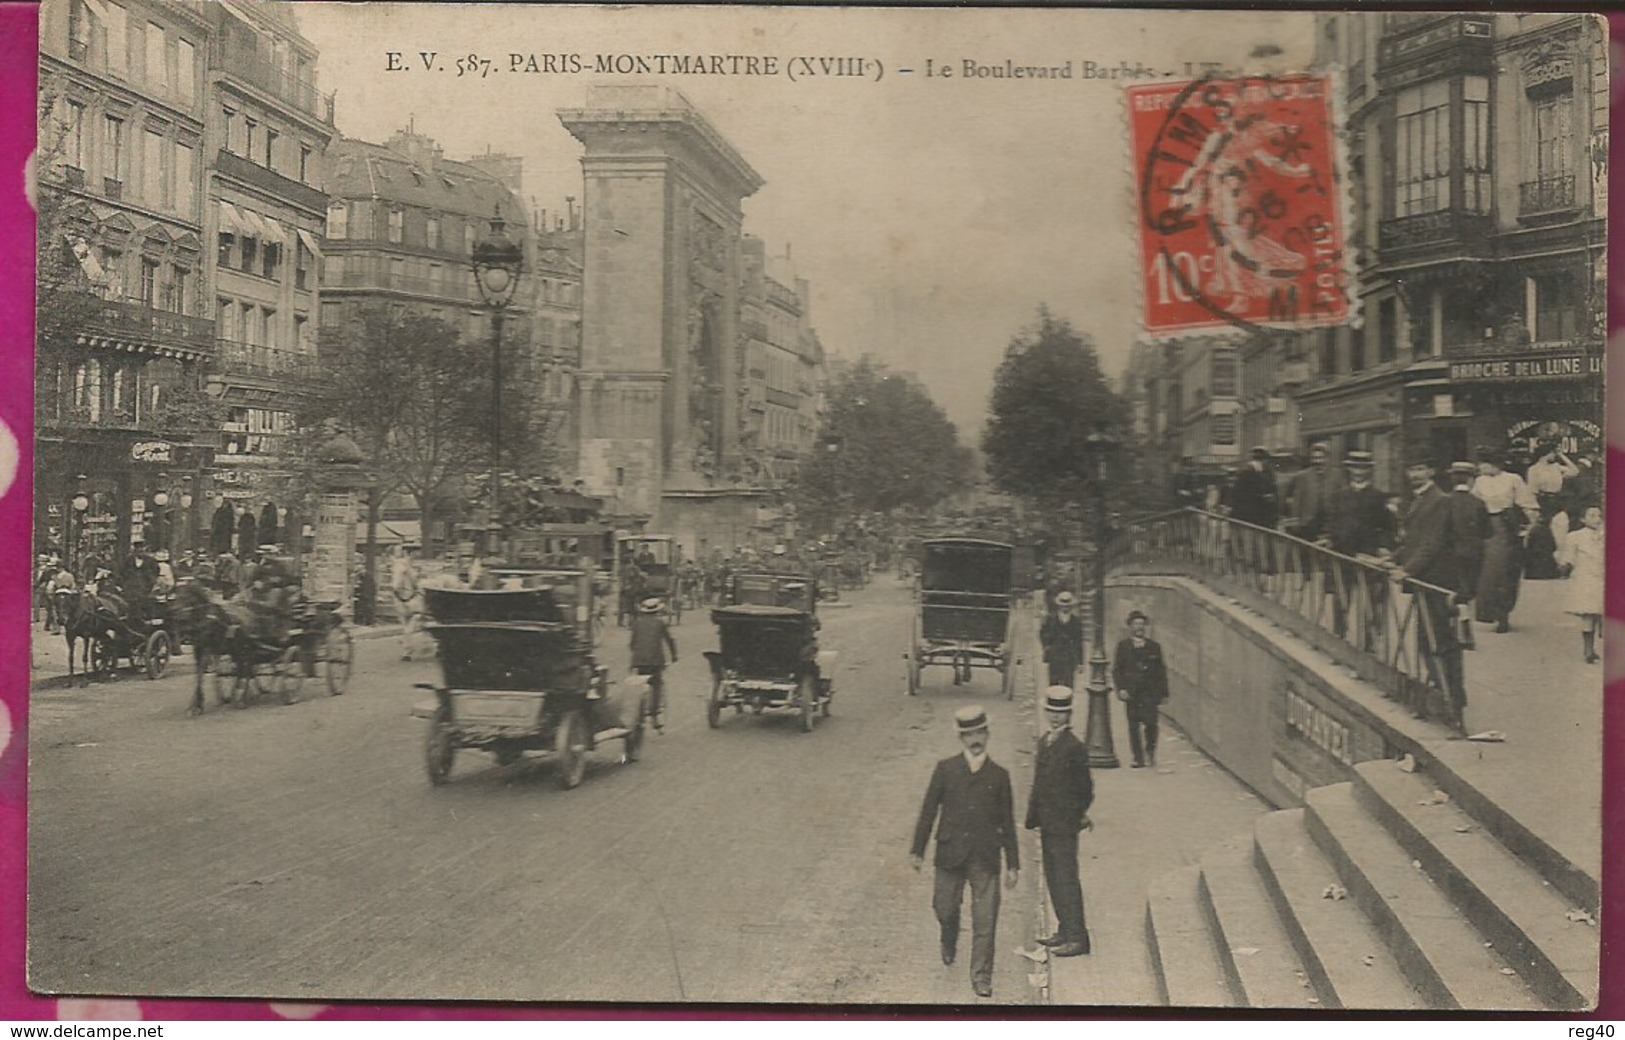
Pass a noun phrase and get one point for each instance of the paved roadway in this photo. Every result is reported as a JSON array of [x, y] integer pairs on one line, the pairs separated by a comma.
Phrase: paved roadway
[[300, 852]]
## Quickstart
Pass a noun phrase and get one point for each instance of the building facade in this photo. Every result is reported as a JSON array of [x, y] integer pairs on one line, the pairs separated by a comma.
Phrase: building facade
[[1478, 162], [267, 133], [783, 361], [125, 330]]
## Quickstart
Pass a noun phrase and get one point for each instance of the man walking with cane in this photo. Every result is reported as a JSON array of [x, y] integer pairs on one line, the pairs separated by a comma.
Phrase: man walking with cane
[[971, 795], [1059, 809]]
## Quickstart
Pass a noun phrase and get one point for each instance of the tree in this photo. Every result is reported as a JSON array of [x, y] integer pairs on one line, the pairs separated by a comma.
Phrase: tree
[[1049, 396], [416, 399], [885, 444]]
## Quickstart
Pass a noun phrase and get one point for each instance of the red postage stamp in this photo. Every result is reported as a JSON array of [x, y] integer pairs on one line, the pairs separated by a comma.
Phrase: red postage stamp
[[1239, 204]]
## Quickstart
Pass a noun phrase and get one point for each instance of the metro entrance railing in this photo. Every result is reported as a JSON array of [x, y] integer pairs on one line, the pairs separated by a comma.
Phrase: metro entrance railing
[[1401, 636]]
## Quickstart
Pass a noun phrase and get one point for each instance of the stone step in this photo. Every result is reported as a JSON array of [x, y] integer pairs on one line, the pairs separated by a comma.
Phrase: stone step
[[1342, 952], [1183, 956], [1524, 916], [1439, 951], [1254, 950]]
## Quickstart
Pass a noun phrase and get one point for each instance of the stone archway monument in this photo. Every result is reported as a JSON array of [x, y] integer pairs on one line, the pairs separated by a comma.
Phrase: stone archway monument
[[660, 379]]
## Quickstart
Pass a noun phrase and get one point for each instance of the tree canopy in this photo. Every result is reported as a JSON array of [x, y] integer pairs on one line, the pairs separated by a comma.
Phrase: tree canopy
[[1049, 395], [884, 444]]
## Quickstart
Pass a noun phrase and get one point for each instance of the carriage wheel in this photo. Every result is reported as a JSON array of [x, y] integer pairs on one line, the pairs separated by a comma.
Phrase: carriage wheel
[[808, 695], [441, 747], [157, 654], [339, 652], [570, 741], [287, 675], [713, 707]]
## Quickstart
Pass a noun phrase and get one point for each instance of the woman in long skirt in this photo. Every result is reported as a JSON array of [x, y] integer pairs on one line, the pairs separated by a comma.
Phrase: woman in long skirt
[[1501, 570]]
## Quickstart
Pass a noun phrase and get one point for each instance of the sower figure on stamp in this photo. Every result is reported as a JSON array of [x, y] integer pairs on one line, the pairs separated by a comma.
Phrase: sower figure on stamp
[[971, 795], [1059, 809], [1141, 676], [1061, 636]]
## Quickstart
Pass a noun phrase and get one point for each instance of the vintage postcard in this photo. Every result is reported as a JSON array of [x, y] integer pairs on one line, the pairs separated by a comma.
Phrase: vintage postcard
[[822, 507]]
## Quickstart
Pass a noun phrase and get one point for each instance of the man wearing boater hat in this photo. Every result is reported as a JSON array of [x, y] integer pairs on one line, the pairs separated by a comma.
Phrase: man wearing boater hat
[[971, 794], [1058, 809], [1061, 636], [650, 641]]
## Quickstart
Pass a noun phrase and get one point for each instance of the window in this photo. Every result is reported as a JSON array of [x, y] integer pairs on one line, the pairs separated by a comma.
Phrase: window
[[185, 179], [270, 148], [149, 282], [138, 51], [1224, 429], [397, 221], [1357, 350], [254, 431], [436, 278], [178, 299], [397, 272], [301, 264], [433, 232], [267, 318], [304, 163], [185, 72], [1554, 137], [226, 319], [1557, 308], [1223, 382], [87, 389], [112, 261], [113, 147], [301, 334], [118, 39], [1328, 352], [153, 188], [250, 132], [338, 220], [1387, 330], [1475, 130], [251, 254], [335, 270], [223, 257], [250, 326], [73, 136], [271, 260], [1422, 149], [157, 66]]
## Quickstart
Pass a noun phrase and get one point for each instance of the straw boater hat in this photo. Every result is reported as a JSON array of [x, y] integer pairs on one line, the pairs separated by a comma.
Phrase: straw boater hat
[[1464, 469], [1058, 698], [970, 719], [1065, 599], [650, 605], [1359, 460], [162, 555], [1260, 452]]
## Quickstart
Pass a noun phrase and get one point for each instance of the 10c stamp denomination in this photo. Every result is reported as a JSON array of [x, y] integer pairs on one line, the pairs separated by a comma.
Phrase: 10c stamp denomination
[[1239, 203]]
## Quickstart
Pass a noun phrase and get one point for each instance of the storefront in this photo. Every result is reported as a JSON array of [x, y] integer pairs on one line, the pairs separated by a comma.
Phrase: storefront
[[1359, 416]]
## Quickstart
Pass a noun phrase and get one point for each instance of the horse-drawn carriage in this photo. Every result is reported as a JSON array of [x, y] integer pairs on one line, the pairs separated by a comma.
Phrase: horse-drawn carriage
[[278, 643], [964, 617], [769, 657], [650, 566], [519, 675], [113, 628]]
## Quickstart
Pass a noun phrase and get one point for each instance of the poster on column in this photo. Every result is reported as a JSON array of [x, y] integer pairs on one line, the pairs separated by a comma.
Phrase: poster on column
[[755, 404]]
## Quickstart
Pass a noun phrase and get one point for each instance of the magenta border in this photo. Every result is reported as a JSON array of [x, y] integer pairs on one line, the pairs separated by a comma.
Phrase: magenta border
[[18, 56]]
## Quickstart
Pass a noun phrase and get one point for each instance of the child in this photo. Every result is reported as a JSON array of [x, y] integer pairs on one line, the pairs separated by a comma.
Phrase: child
[[1583, 566]]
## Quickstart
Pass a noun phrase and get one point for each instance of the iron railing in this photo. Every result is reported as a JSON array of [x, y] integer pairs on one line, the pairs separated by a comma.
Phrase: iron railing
[[1400, 635], [233, 357], [1547, 195]]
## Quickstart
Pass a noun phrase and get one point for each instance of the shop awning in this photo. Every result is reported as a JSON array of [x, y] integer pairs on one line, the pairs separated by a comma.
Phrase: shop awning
[[232, 222], [255, 225], [275, 232], [310, 243], [87, 260]]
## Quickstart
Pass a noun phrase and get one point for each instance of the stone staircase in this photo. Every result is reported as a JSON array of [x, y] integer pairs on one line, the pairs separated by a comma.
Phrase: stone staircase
[[1381, 892]]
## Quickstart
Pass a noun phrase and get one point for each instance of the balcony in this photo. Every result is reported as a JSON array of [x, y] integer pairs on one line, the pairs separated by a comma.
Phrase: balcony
[[130, 323], [250, 359], [1547, 197], [74, 175], [248, 67], [370, 277], [1445, 230], [253, 174], [113, 188]]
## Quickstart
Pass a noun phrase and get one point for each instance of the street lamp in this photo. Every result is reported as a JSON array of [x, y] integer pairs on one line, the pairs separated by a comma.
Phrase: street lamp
[[76, 523], [187, 522], [1099, 447], [160, 514], [497, 262]]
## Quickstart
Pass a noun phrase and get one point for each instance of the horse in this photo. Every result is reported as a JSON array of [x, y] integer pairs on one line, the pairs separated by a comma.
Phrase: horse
[[237, 629], [202, 620], [87, 614]]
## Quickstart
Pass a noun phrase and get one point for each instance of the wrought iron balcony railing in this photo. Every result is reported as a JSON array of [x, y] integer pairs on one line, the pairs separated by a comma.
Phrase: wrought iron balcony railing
[[1396, 633], [1546, 195], [280, 83], [232, 357]]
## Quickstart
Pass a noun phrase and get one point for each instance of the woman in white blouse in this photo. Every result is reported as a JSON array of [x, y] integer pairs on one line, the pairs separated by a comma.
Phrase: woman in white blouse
[[1513, 511]]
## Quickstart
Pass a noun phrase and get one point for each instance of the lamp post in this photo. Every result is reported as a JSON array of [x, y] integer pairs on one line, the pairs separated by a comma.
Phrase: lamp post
[[1098, 735], [188, 528], [161, 526], [79, 504], [497, 262]]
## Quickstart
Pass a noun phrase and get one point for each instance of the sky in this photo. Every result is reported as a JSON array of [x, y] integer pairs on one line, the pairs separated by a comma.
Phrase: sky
[[931, 216]]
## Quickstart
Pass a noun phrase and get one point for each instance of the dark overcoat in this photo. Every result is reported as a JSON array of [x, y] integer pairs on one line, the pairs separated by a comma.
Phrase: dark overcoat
[[978, 818], [1062, 788]]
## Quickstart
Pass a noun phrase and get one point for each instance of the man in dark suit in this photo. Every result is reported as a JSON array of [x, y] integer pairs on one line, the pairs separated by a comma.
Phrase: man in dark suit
[[1470, 525], [971, 794], [1061, 636], [1141, 676], [1254, 497], [1427, 555], [1357, 522], [1059, 809]]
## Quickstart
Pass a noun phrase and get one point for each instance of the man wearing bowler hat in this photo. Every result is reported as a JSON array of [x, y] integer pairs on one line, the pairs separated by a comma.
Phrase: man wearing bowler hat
[[1141, 676], [1059, 809], [1427, 555], [971, 795]]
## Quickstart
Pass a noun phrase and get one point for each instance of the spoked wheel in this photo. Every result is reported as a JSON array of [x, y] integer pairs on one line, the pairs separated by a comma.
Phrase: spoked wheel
[[570, 741], [441, 747], [339, 652], [157, 654], [287, 675], [808, 695], [713, 707]]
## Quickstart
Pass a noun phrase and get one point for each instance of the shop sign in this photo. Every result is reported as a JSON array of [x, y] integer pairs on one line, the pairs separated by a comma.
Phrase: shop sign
[[1381, 409], [152, 451], [1559, 366]]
